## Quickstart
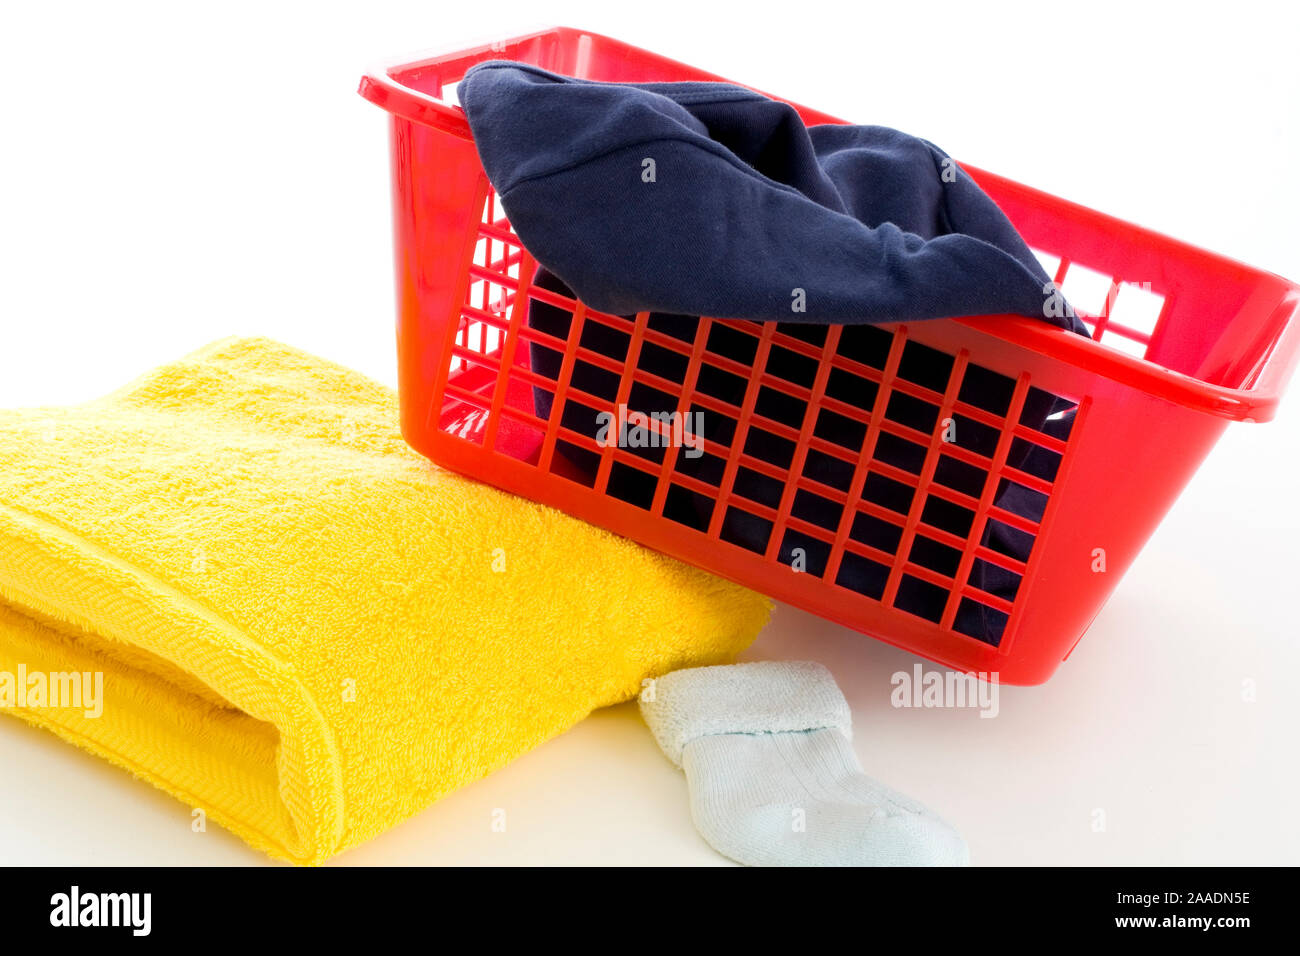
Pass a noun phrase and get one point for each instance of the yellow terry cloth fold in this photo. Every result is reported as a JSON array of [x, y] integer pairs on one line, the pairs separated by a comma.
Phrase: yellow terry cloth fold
[[304, 628]]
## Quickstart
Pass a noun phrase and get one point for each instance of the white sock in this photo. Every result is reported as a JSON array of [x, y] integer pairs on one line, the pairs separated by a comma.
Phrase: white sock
[[773, 779]]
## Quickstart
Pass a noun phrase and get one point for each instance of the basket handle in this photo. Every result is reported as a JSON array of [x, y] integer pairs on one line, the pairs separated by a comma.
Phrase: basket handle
[[400, 87], [436, 70], [1254, 402], [1279, 362]]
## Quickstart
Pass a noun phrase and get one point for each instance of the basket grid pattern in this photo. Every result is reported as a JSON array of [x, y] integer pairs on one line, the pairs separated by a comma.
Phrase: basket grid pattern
[[856, 454]]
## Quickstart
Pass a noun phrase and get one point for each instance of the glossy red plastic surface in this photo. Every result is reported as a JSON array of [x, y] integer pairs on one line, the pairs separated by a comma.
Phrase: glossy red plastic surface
[[1185, 341]]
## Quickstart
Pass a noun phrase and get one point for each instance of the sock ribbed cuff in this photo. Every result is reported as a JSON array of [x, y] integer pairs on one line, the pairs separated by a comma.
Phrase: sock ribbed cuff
[[765, 697]]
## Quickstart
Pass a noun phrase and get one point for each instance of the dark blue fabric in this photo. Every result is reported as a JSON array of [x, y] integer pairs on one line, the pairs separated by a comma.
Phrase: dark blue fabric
[[746, 206]]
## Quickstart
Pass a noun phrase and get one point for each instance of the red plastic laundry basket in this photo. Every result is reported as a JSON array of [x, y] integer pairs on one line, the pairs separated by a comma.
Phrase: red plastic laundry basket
[[1184, 342]]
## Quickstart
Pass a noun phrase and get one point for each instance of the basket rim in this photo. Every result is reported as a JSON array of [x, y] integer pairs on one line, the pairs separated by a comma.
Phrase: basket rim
[[387, 85]]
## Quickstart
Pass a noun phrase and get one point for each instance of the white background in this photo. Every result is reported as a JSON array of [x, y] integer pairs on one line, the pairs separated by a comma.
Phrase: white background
[[171, 174]]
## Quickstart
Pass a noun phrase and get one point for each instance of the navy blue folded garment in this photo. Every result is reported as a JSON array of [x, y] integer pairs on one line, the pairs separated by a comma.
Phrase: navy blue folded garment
[[744, 212], [710, 199]]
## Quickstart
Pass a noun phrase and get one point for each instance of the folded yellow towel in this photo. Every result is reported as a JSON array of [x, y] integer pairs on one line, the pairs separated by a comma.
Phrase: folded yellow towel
[[304, 628]]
